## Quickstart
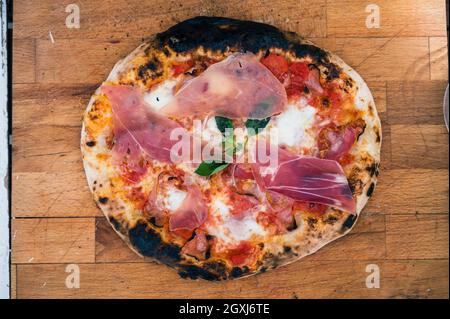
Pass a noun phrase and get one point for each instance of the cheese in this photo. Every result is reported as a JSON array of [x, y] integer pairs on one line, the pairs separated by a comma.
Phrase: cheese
[[292, 126], [174, 198], [161, 95]]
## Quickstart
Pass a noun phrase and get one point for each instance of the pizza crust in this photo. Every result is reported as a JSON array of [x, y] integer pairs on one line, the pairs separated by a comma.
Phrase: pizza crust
[[201, 36]]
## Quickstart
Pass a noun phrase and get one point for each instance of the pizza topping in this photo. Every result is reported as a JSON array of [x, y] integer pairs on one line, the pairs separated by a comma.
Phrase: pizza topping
[[335, 142], [197, 246], [242, 253], [192, 212], [237, 87], [182, 67], [137, 129], [276, 64], [307, 179]]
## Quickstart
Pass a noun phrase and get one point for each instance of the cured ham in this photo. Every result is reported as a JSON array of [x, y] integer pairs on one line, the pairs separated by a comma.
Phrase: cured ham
[[307, 179], [191, 213], [137, 129], [197, 247], [237, 87], [336, 142]]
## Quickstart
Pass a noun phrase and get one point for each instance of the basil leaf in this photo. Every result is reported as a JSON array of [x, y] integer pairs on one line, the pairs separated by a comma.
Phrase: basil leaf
[[253, 125], [209, 168], [223, 123]]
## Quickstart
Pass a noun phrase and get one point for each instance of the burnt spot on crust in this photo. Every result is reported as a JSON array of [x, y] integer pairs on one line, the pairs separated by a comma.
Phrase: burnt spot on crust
[[214, 270], [354, 181], [287, 249], [103, 200], [331, 219], [239, 272], [152, 69], [312, 222], [348, 223], [115, 223], [377, 133], [149, 243], [370, 190], [224, 34], [373, 169], [90, 143]]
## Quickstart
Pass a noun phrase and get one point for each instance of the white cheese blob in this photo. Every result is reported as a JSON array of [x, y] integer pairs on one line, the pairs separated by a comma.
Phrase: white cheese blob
[[174, 198], [292, 125], [161, 95]]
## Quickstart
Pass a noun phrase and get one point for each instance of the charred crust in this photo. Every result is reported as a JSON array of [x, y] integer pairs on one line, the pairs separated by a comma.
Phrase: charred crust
[[224, 34], [287, 249], [348, 223], [90, 143], [149, 243], [331, 219], [237, 272], [377, 133], [214, 270], [370, 190], [372, 169], [114, 222], [152, 69], [103, 200], [312, 222]]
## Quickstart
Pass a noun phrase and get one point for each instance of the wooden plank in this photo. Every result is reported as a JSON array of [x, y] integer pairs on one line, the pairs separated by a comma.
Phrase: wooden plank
[[84, 61], [378, 89], [13, 283], [411, 102], [24, 61], [398, 18], [312, 279], [126, 18], [60, 194], [365, 242], [109, 247], [410, 191], [383, 59], [44, 240], [47, 149], [439, 58], [49, 104], [417, 237], [419, 146]]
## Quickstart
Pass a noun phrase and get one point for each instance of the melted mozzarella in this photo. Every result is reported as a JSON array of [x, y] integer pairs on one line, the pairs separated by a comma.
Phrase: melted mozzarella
[[161, 95], [292, 126], [174, 198]]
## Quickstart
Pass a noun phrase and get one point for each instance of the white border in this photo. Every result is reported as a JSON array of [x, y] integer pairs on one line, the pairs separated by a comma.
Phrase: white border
[[4, 215]]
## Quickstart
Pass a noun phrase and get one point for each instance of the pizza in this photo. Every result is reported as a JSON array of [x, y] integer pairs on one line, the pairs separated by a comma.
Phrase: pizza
[[235, 90]]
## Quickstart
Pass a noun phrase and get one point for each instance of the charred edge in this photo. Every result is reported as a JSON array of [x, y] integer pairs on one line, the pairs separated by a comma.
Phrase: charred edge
[[222, 34], [349, 222], [370, 190], [90, 143], [372, 169], [149, 243], [115, 223], [211, 271], [151, 69], [237, 272], [103, 200]]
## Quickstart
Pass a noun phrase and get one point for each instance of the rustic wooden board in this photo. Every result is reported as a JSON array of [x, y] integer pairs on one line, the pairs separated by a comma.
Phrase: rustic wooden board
[[403, 230]]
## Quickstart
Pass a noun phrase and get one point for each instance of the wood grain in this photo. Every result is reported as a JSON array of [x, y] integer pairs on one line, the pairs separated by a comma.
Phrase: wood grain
[[415, 102], [383, 59], [24, 62], [438, 58], [419, 146], [336, 279], [398, 18], [410, 191], [53, 240], [417, 237], [403, 229], [124, 18], [62, 194]]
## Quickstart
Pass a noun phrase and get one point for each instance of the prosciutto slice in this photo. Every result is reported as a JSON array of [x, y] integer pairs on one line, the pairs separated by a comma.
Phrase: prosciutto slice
[[191, 213], [237, 87], [137, 128], [307, 179]]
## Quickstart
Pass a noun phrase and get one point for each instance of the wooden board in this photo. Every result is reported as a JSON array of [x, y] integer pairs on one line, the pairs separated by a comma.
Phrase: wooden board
[[403, 229]]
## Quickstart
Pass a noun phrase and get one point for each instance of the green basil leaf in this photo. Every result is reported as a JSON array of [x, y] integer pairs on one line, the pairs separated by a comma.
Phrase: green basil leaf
[[223, 123], [209, 168], [253, 125]]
